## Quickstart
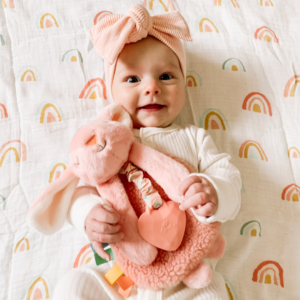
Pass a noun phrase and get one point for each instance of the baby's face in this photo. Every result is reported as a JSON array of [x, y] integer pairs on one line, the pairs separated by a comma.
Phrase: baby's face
[[148, 82]]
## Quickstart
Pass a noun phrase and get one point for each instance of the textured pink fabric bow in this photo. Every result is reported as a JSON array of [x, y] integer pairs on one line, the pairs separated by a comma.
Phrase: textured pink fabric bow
[[113, 32]]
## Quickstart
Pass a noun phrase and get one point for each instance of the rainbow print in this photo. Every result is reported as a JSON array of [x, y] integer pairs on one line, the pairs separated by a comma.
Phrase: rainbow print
[[85, 255], [193, 79], [2, 40], [291, 192], [268, 270], [11, 4], [3, 111], [206, 25], [38, 290], [233, 2], [13, 145], [50, 113], [2, 202], [252, 153], [231, 292], [258, 103], [22, 245], [294, 152], [56, 171], [29, 74], [94, 89], [267, 3], [292, 87], [251, 228], [72, 55], [233, 64], [101, 15], [265, 33], [213, 119], [162, 4], [47, 20]]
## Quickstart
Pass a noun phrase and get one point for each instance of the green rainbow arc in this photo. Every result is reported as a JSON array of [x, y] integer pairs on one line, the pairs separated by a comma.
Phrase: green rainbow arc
[[63, 58], [245, 225], [223, 66]]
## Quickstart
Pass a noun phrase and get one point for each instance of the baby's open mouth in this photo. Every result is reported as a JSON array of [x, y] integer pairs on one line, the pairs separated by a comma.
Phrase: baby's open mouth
[[152, 107]]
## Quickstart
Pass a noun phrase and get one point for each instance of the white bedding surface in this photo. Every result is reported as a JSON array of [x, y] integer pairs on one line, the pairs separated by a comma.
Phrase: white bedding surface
[[243, 86]]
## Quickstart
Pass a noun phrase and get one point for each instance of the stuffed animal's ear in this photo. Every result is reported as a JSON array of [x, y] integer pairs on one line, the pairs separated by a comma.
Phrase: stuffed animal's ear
[[115, 112], [48, 213]]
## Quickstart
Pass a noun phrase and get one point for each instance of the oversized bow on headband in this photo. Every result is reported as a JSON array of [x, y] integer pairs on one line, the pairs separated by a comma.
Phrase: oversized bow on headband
[[114, 31]]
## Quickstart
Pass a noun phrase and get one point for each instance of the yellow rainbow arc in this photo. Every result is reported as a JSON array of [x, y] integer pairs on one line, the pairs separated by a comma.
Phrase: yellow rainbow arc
[[32, 287], [293, 148], [32, 73], [54, 169], [43, 17], [44, 111], [27, 244], [206, 19]]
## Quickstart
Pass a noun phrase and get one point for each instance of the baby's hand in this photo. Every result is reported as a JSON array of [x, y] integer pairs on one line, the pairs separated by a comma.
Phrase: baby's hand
[[101, 227], [200, 194]]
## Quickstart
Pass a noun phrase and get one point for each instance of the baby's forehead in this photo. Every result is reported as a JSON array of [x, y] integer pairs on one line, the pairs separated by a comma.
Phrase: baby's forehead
[[147, 52]]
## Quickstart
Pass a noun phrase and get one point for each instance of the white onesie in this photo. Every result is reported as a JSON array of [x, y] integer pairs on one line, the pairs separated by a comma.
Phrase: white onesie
[[195, 146]]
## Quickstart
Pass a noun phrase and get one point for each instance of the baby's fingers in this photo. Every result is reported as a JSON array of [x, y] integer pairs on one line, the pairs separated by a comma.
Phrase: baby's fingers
[[99, 249], [206, 210], [107, 238], [195, 200], [102, 227]]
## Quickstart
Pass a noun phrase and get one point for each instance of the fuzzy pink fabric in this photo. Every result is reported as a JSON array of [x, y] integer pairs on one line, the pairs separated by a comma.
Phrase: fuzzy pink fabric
[[169, 268]]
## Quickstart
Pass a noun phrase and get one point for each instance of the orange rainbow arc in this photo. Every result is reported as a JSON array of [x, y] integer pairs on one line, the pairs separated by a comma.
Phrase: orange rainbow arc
[[244, 106], [3, 111], [79, 256], [261, 265], [288, 191], [89, 86]]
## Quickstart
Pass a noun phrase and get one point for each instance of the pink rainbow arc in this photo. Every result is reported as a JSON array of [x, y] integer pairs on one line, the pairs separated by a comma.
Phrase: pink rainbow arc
[[287, 86], [247, 144], [265, 28], [101, 12]]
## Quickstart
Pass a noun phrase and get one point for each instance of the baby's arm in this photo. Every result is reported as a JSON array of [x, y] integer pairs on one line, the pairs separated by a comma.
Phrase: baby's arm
[[95, 218], [213, 192]]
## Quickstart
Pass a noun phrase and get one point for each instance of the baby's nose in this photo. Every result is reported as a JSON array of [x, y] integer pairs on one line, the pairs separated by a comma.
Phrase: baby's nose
[[152, 88]]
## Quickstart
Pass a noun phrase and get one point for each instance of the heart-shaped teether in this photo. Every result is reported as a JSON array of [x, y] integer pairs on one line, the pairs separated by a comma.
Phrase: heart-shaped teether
[[163, 228]]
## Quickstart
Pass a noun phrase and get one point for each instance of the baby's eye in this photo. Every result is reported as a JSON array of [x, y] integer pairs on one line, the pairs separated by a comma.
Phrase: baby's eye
[[166, 77], [133, 79]]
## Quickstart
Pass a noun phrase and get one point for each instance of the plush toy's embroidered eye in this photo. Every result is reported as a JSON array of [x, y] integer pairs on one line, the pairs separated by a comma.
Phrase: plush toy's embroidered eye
[[100, 147]]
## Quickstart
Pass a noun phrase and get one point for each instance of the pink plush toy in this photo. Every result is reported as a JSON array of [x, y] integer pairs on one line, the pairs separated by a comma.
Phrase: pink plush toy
[[97, 153]]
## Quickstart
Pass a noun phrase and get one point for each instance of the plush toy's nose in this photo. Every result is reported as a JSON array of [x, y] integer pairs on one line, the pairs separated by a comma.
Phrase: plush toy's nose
[[93, 141]]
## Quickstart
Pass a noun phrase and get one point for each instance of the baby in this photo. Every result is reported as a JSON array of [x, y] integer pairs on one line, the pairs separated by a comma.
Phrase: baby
[[145, 73]]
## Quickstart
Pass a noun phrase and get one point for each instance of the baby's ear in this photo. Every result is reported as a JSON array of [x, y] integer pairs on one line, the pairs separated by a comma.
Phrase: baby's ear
[[115, 112]]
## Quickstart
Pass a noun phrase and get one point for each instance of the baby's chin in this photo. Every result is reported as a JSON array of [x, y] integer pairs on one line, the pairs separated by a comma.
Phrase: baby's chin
[[151, 123]]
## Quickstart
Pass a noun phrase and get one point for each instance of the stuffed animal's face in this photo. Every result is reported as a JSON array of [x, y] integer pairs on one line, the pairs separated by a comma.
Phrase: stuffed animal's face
[[99, 149]]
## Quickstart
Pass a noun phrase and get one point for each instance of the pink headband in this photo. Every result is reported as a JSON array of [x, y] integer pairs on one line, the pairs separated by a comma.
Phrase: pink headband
[[111, 34]]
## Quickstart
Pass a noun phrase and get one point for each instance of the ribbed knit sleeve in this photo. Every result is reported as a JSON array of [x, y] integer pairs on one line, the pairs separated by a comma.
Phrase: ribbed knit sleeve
[[224, 176]]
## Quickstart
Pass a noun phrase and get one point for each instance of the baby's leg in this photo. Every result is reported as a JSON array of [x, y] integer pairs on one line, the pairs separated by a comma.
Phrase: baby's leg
[[85, 283]]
